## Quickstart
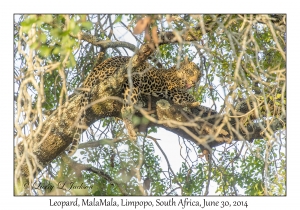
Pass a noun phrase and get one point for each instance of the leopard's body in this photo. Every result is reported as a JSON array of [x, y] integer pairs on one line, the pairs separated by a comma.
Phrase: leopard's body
[[170, 84]]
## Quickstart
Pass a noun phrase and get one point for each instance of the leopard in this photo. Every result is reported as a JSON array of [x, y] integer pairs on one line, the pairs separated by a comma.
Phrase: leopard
[[172, 83]]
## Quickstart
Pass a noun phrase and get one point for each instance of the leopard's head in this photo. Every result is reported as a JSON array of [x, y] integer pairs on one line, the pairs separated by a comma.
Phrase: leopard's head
[[189, 73]]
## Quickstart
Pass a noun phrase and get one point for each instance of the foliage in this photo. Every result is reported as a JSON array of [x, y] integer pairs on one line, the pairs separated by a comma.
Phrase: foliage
[[241, 57]]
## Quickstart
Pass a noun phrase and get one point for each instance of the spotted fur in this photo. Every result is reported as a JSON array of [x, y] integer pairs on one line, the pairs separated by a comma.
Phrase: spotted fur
[[170, 84]]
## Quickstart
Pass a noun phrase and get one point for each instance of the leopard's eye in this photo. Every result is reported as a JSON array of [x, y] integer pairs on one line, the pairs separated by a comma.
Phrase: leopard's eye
[[190, 72]]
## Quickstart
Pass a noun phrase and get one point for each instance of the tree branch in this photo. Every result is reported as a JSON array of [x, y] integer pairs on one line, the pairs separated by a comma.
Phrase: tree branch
[[103, 43], [78, 168]]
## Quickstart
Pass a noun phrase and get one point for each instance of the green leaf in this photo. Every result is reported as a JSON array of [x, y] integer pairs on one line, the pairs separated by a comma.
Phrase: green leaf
[[278, 96], [47, 18], [72, 24], [56, 50], [43, 38], [118, 19], [45, 50], [29, 21], [34, 45], [87, 25], [72, 61], [56, 33], [76, 29], [152, 129]]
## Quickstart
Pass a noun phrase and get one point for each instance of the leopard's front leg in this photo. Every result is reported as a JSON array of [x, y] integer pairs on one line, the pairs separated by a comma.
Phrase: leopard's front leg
[[181, 97]]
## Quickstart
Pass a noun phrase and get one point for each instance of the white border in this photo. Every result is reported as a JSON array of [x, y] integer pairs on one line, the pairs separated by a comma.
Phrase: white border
[[154, 6]]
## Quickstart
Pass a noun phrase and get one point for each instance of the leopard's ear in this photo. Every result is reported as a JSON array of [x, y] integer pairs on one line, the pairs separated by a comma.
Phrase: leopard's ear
[[186, 59]]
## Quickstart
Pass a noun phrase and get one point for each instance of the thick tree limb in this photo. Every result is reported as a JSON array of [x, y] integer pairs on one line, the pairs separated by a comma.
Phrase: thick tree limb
[[107, 102]]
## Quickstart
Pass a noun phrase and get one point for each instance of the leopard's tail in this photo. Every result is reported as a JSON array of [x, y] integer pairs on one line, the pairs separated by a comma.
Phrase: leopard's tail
[[75, 143], [76, 138]]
